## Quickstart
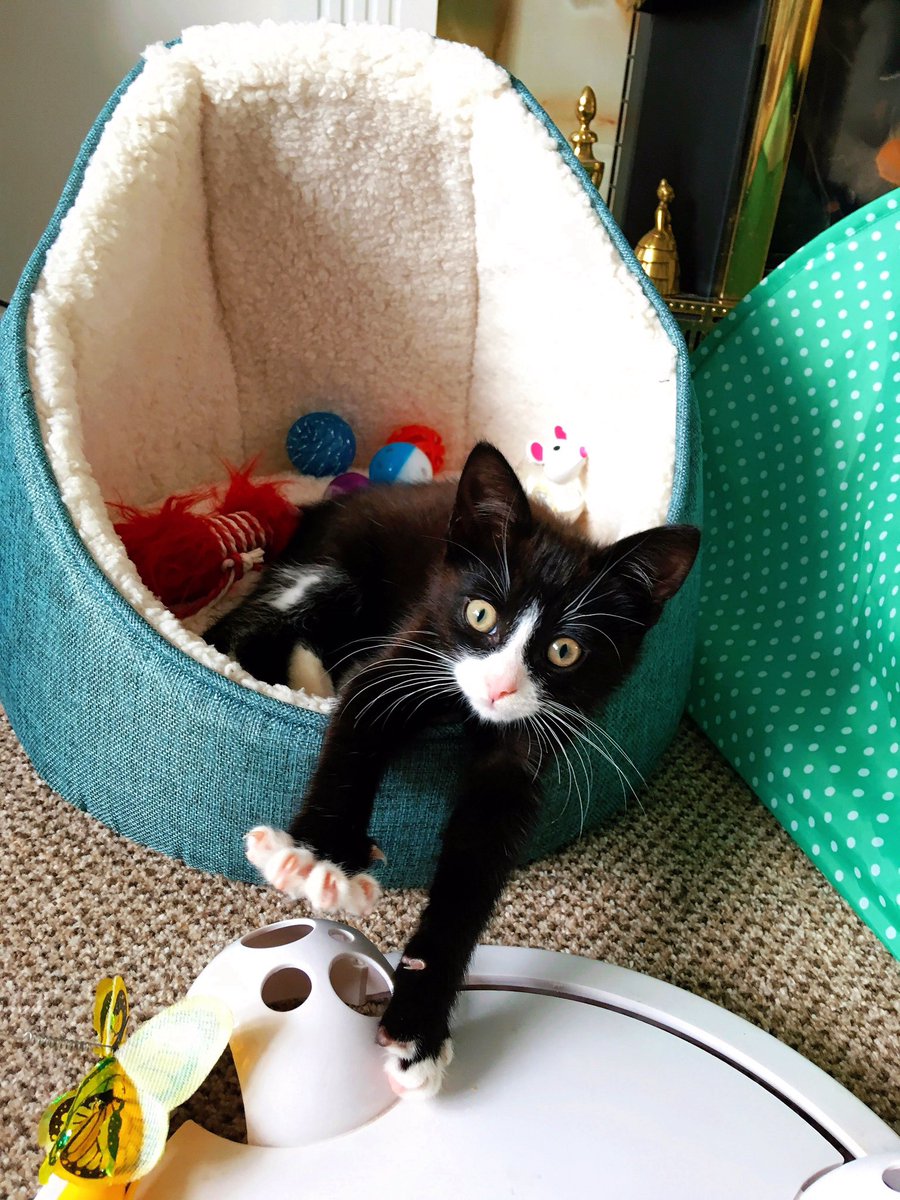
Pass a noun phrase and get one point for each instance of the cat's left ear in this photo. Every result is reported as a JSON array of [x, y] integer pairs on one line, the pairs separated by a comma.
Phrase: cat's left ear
[[657, 561], [491, 506]]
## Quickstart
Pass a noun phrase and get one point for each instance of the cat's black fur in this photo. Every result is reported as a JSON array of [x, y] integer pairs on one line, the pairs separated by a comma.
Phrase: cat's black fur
[[404, 562]]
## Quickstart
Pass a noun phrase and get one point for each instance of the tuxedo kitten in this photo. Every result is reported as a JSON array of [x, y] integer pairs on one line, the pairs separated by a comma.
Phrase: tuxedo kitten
[[432, 602]]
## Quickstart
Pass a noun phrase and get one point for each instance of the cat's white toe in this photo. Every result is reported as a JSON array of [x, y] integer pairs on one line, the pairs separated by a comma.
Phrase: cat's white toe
[[261, 842], [419, 1080], [288, 871], [295, 871], [330, 888], [327, 887], [279, 860], [362, 896]]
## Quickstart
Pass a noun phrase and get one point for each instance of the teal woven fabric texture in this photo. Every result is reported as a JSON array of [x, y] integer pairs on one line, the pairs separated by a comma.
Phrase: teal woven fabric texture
[[163, 750], [797, 679]]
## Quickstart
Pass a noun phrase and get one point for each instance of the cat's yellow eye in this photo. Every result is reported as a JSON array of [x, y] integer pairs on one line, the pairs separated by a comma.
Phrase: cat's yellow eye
[[564, 652], [481, 615]]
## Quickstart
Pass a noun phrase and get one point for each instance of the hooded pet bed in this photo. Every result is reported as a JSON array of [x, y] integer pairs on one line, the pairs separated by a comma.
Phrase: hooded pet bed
[[266, 220]]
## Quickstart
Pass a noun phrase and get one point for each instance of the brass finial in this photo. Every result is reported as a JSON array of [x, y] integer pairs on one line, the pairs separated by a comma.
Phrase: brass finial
[[583, 138], [656, 251]]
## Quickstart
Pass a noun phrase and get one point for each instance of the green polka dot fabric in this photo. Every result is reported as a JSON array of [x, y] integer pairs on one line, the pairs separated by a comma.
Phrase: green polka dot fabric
[[796, 677]]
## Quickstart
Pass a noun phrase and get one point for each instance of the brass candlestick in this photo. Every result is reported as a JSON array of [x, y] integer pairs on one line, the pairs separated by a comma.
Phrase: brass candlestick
[[656, 251], [583, 138]]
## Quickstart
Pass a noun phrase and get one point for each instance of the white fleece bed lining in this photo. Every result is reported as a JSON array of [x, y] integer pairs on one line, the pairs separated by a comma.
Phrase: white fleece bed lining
[[259, 234]]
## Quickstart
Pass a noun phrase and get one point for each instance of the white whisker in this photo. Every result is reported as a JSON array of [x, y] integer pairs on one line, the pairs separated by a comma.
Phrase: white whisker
[[561, 711], [404, 640], [624, 554], [556, 757], [582, 596], [405, 686], [594, 629], [584, 761], [505, 546], [601, 732], [530, 727], [429, 691], [544, 719], [545, 740], [584, 616], [501, 592], [397, 680]]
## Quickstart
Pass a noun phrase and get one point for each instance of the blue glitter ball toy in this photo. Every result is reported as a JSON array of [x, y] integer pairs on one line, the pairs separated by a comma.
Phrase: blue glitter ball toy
[[400, 462], [320, 444]]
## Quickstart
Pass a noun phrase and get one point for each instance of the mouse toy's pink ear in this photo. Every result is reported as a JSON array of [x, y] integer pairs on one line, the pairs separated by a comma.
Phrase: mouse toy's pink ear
[[536, 452], [582, 451], [560, 433]]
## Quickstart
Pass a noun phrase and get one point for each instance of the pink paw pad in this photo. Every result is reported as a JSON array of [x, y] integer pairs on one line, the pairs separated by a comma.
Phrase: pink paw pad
[[287, 869], [330, 891], [401, 1049]]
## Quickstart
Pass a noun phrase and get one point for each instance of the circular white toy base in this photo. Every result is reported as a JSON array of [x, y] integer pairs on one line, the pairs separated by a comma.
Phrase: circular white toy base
[[573, 1077]]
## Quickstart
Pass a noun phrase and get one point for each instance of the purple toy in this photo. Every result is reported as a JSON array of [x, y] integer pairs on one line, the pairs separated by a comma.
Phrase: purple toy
[[342, 485]]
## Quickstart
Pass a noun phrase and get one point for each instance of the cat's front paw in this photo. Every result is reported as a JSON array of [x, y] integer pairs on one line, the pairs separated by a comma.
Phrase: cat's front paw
[[296, 871], [411, 1074], [279, 859]]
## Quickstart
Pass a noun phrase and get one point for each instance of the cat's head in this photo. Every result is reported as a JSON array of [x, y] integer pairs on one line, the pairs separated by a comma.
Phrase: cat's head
[[531, 612]]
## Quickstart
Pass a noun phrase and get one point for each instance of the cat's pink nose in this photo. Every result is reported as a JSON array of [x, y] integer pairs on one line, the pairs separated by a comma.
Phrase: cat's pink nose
[[498, 690]]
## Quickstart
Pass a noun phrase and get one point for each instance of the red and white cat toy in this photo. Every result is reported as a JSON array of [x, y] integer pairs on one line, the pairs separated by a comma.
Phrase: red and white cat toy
[[558, 483]]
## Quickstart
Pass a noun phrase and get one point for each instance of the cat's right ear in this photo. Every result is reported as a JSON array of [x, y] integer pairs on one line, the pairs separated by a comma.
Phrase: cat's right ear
[[491, 506]]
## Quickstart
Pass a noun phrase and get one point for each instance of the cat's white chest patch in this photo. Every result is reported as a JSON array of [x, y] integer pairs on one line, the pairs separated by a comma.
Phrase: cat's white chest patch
[[498, 685]]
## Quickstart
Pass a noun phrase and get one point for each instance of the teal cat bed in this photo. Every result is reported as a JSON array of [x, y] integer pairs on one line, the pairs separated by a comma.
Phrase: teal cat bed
[[265, 221]]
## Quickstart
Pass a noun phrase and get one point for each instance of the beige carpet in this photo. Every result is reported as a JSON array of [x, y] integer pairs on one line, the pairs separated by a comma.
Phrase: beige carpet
[[702, 889]]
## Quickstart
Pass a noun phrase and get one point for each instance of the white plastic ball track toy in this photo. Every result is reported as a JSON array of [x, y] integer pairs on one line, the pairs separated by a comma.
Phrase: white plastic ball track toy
[[306, 1056], [571, 1078]]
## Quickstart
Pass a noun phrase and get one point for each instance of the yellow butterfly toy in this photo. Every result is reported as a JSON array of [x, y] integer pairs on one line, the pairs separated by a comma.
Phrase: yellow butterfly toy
[[112, 1129]]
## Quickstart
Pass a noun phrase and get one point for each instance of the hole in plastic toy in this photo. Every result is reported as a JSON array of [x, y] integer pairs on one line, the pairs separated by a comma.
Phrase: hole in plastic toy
[[360, 984], [217, 1104], [341, 935], [277, 935], [891, 1178], [285, 989]]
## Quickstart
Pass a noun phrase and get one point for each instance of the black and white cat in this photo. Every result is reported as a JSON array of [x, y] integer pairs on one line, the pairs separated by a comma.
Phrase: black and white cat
[[432, 602]]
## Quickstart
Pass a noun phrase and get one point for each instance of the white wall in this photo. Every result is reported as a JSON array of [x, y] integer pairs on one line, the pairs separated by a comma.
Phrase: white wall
[[557, 47], [61, 59]]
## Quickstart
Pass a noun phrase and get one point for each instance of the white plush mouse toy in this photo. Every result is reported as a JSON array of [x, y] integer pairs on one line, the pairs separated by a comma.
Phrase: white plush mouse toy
[[558, 483]]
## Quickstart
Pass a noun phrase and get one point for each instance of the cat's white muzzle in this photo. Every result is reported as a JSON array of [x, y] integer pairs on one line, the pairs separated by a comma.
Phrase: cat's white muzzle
[[498, 685], [515, 707]]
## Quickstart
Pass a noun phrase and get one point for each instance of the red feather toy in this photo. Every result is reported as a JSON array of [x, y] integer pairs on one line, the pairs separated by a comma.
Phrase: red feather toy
[[193, 548]]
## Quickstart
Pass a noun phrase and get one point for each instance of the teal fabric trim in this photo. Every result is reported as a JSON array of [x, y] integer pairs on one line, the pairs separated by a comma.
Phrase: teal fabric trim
[[165, 751]]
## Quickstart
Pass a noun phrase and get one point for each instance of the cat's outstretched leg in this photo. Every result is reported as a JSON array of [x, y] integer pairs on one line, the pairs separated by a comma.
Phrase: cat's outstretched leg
[[325, 854], [482, 842]]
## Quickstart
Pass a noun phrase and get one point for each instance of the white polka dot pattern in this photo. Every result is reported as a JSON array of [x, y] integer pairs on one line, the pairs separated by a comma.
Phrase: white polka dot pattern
[[796, 677]]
